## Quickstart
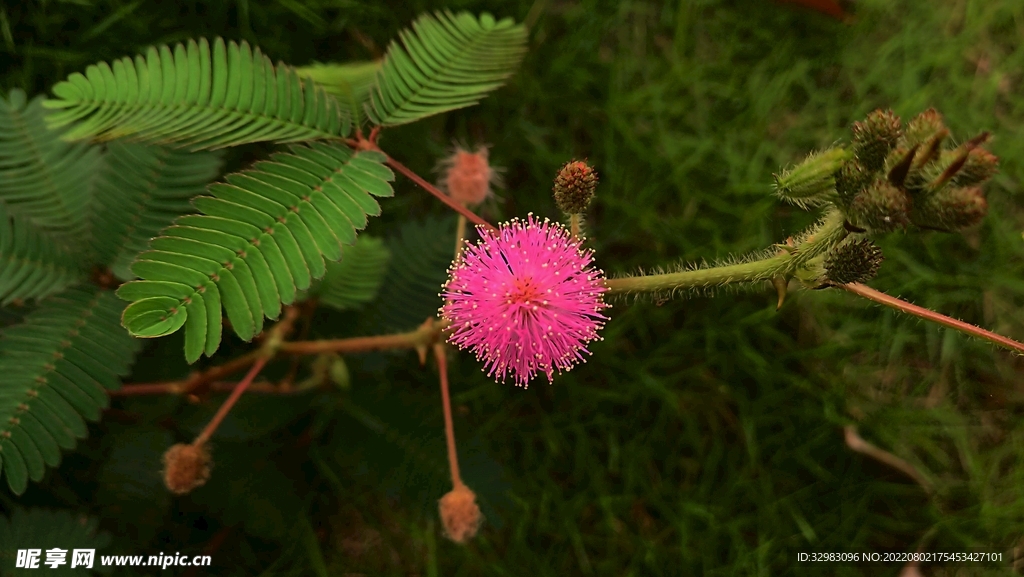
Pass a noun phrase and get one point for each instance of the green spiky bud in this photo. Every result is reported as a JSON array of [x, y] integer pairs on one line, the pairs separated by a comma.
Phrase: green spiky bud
[[853, 261], [981, 165], [850, 180], [812, 180], [951, 209], [574, 186], [875, 136], [881, 207], [923, 127]]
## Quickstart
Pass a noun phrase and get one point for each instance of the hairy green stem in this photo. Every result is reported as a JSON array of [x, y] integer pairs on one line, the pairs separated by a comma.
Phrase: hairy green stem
[[828, 233], [460, 236]]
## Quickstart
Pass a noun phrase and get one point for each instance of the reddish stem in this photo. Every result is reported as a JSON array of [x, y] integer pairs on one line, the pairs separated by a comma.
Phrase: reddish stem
[[449, 427], [929, 315], [457, 207], [419, 339], [211, 427]]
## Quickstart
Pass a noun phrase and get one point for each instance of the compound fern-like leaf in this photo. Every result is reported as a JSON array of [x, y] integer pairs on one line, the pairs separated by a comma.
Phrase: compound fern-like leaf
[[200, 96], [262, 237], [57, 365], [350, 82], [421, 253], [32, 265], [445, 62], [42, 179], [356, 279], [44, 530], [141, 189]]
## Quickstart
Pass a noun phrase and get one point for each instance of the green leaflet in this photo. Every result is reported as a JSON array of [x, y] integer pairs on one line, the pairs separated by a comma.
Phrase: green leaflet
[[421, 253], [444, 63], [263, 236], [140, 190], [44, 181], [57, 364], [356, 279], [202, 96], [32, 265]]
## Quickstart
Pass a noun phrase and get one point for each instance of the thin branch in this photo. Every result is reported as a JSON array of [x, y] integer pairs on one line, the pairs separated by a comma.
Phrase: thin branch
[[446, 403], [457, 207], [307, 309], [859, 445], [929, 315], [420, 339], [196, 381], [211, 427]]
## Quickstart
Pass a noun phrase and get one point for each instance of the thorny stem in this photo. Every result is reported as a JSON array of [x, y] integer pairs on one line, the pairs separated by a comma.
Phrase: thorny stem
[[826, 235], [921, 312], [449, 427], [784, 265], [211, 427]]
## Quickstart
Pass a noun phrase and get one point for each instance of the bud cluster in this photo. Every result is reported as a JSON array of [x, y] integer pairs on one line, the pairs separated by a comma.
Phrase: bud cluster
[[891, 176]]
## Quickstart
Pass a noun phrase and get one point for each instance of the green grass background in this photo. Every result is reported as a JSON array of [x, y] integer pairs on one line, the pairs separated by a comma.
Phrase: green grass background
[[704, 436]]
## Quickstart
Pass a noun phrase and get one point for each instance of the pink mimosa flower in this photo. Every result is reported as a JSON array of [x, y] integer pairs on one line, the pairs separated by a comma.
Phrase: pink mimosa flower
[[525, 300]]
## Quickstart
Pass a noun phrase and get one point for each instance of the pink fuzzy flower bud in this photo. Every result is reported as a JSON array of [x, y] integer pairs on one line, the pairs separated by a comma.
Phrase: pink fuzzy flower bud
[[467, 177]]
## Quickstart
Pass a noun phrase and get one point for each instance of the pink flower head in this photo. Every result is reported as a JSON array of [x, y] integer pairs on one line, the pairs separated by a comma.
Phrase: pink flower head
[[467, 176], [526, 300]]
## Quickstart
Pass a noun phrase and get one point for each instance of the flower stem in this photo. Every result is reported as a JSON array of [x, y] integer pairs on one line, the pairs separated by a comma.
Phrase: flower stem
[[425, 335], [929, 315], [460, 235], [825, 235], [457, 207], [449, 427], [211, 427], [574, 224]]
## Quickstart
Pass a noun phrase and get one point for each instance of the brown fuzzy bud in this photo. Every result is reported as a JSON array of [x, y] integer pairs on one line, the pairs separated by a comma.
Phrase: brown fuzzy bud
[[880, 208], [459, 514], [923, 127], [853, 261], [186, 467], [574, 186], [874, 137], [951, 209], [981, 165]]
